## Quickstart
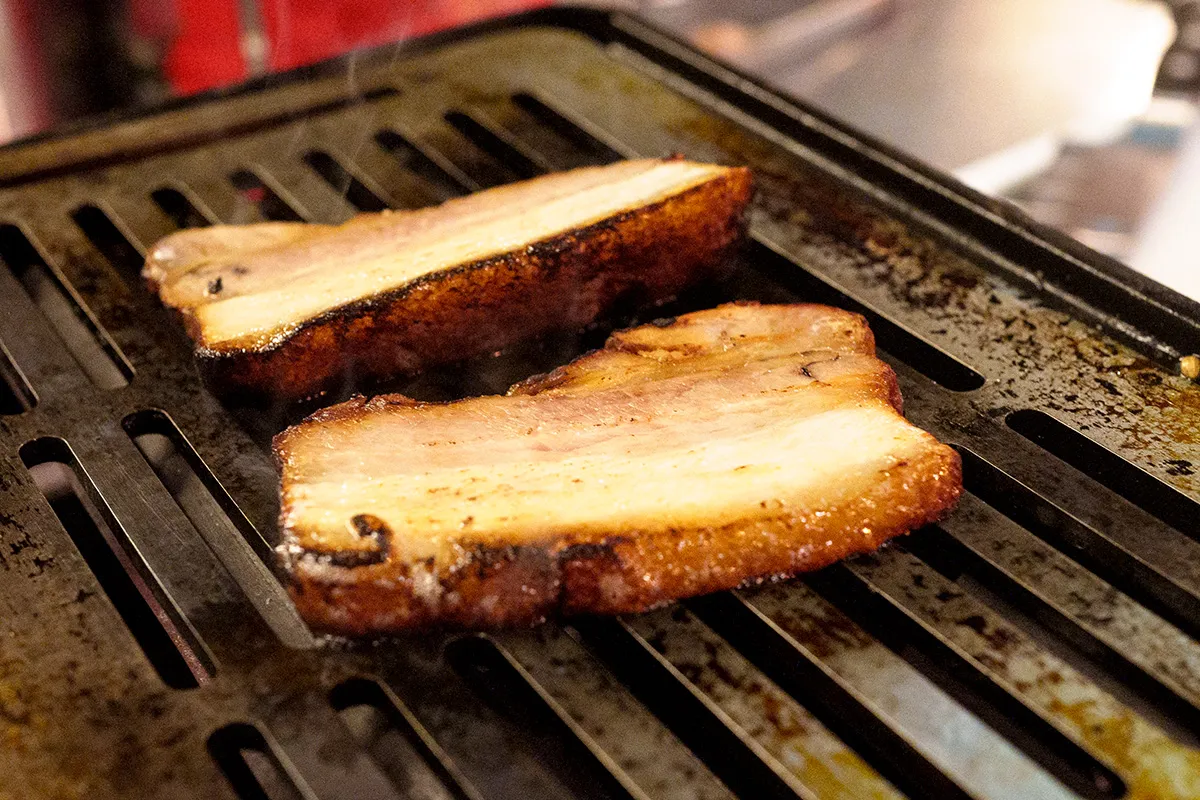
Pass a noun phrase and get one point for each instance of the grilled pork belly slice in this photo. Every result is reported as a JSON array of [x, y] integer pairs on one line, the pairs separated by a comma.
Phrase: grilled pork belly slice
[[284, 310], [686, 456]]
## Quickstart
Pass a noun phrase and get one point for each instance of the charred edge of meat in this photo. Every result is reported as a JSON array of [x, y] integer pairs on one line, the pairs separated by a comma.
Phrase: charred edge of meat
[[605, 550], [538, 584], [370, 528]]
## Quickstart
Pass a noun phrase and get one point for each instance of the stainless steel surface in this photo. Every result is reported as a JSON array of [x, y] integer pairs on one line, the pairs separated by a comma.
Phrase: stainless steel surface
[[986, 91], [1040, 643]]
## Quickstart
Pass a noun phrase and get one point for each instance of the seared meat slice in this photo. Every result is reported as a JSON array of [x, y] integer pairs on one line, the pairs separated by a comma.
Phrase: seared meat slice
[[689, 455], [287, 310]]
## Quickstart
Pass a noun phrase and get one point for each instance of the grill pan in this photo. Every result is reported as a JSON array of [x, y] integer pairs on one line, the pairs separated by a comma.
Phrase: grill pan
[[1040, 642]]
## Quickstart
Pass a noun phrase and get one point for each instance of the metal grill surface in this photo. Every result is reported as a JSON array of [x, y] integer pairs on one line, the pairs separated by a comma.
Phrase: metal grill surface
[[1041, 642]]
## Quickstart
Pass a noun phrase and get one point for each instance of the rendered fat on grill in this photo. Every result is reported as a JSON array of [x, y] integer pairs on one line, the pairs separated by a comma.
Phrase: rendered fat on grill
[[283, 310], [690, 455]]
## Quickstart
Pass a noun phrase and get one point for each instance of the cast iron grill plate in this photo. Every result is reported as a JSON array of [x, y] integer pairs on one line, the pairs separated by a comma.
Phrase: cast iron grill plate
[[1041, 642]]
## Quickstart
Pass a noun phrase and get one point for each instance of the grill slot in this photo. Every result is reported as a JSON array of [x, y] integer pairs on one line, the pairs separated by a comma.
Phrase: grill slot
[[180, 208], [698, 723], [787, 732], [905, 710], [107, 238], [217, 519], [197, 591], [344, 182], [443, 179], [1107, 468], [304, 191], [257, 193], [98, 538], [319, 753], [477, 739], [504, 149], [1127, 668], [1093, 718], [1080, 542], [215, 196], [1020, 725], [1145, 655], [382, 174], [631, 742], [499, 682], [249, 764], [570, 141], [216, 130], [469, 147], [1175, 556], [535, 139], [16, 395], [403, 749], [88, 345]]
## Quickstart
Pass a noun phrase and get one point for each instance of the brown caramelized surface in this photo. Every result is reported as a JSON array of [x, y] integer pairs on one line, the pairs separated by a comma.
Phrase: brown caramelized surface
[[729, 444], [247, 287]]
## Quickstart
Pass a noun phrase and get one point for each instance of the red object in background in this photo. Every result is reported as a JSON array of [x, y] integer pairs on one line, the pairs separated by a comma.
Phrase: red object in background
[[204, 48], [205, 45], [24, 99]]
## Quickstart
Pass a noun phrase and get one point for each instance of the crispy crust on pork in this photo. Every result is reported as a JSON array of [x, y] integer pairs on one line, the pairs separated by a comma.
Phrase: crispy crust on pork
[[814, 359], [642, 256]]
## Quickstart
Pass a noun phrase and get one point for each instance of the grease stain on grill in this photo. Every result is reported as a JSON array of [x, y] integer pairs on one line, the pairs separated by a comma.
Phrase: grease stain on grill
[[1179, 466]]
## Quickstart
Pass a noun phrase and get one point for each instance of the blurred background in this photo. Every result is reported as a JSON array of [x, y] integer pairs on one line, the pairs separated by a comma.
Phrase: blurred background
[[1083, 112]]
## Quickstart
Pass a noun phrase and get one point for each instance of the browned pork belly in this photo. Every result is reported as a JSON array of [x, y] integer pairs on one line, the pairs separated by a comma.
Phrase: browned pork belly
[[283, 310], [686, 456]]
